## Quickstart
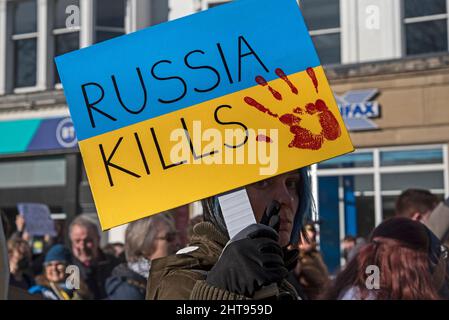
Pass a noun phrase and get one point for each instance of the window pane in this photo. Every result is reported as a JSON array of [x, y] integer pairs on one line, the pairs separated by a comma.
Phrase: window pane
[[111, 13], [426, 37], [321, 14], [389, 204], [347, 198], [60, 14], [65, 43], [401, 181], [354, 160], [106, 35], [25, 63], [359, 203], [328, 48], [411, 157], [25, 17], [393, 184], [32, 173], [418, 8]]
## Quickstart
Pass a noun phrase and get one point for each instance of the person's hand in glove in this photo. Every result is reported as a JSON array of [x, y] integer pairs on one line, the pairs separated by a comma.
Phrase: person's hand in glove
[[250, 260], [271, 218]]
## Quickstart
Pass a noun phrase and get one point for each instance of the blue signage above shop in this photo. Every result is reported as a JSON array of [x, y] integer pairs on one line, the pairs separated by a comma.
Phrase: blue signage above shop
[[357, 108], [27, 135]]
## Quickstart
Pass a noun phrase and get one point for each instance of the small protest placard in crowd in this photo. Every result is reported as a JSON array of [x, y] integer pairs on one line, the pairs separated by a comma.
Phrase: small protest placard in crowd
[[38, 220]]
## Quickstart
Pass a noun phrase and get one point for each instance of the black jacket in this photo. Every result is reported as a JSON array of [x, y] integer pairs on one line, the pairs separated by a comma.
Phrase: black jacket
[[96, 274]]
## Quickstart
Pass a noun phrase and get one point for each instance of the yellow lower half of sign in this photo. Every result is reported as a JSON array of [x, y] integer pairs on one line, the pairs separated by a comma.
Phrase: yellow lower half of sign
[[213, 147]]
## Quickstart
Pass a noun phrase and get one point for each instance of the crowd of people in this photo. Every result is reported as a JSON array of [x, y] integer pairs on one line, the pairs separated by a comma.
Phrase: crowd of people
[[117, 271], [276, 258]]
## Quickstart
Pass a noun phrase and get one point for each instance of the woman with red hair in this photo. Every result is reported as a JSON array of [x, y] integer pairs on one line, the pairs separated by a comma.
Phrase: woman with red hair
[[402, 251]]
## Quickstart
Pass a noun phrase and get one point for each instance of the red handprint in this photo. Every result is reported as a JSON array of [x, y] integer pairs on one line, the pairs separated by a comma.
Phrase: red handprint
[[329, 124], [311, 74], [303, 138]]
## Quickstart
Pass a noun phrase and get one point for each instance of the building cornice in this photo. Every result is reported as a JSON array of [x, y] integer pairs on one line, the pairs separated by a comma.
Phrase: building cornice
[[422, 63]]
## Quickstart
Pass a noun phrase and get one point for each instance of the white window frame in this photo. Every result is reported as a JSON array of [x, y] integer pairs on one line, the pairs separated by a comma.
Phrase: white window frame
[[45, 41], [87, 29], [206, 4], [126, 23], [330, 31], [3, 46], [376, 170], [10, 45], [406, 21]]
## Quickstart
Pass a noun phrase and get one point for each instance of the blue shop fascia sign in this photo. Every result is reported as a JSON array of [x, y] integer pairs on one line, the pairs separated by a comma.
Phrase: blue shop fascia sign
[[40, 134], [357, 108]]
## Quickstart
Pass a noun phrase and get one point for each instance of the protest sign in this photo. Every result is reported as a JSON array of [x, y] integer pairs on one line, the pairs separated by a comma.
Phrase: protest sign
[[38, 220], [198, 106]]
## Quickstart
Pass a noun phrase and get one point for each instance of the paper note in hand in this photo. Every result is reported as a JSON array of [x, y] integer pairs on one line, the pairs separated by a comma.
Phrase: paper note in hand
[[236, 210]]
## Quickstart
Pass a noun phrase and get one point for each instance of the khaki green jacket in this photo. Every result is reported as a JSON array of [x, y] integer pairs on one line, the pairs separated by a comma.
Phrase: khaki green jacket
[[182, 276]]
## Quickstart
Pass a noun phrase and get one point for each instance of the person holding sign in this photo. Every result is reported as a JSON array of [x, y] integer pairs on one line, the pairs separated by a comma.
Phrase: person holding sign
[[216, 267], [152, 114], [166, 115]]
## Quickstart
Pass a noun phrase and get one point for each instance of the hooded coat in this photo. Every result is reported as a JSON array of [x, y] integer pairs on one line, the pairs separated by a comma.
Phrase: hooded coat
[[183, 276]]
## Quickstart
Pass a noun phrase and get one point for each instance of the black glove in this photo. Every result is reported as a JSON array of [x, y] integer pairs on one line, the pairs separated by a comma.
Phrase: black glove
[[250, 260], [271, 218]]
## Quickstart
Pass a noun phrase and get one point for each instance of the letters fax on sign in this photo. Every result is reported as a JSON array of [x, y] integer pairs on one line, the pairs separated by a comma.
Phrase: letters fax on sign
[[360, 110]]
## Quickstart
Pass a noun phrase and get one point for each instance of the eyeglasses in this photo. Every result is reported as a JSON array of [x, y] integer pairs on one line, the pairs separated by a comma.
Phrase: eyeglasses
[[169, 236]]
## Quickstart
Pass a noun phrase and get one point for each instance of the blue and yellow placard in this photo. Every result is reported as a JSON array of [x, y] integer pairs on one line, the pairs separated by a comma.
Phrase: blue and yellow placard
[[199, 106]]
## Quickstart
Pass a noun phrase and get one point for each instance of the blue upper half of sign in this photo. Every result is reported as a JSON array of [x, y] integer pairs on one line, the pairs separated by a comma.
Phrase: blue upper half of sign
[[183, 62]]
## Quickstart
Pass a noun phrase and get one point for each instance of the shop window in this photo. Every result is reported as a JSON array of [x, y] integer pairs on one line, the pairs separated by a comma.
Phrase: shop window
[[358, 190], [109, 19], [353, 160], [425, 26], [346, 207], [323, 20], [24, 38], [411, 157], [393, 184], [65, 39], [33, 173], [358, 197]]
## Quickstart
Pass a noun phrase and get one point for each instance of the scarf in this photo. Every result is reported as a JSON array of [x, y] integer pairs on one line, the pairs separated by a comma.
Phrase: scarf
[[141, 267]]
